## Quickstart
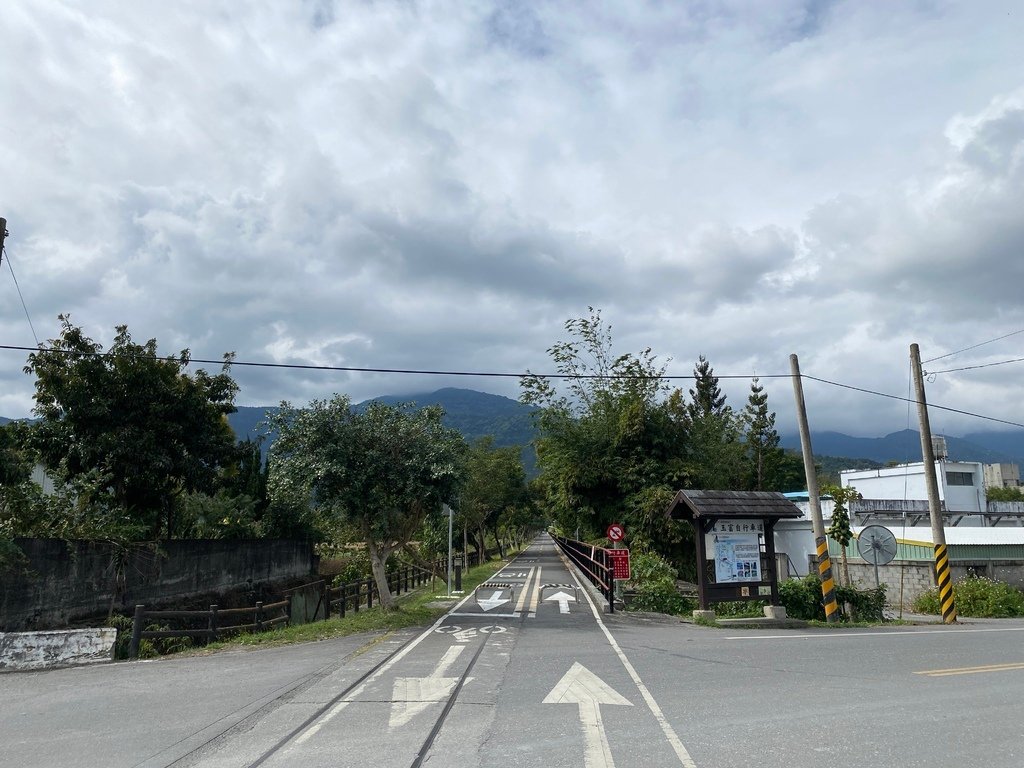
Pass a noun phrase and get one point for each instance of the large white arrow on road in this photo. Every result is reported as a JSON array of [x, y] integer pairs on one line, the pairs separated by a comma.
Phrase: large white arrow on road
[[582, 687], [493, 601], [414, 694], [563, 599]]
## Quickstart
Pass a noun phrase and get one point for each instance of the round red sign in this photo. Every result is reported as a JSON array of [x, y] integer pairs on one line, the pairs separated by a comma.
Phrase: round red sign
[[616, 532]]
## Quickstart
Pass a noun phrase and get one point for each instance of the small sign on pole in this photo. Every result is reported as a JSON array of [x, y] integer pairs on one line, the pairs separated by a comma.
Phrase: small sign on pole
[[620, 563], [616, 532]]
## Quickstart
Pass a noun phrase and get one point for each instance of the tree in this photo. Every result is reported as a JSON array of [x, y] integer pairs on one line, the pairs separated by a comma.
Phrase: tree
[[495, 482], [134, 425], [839, 531], [378, 474], [761, 441], [612, 446], [706, 398], [714, 431]]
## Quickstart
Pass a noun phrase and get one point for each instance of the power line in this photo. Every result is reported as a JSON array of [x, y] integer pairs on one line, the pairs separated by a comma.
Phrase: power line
[[980, 365], [420, 372], [501, 374], [10, 266], [973, 346], [909, 400]]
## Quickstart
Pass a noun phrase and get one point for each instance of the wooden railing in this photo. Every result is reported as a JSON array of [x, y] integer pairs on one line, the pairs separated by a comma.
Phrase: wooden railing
[[341, 600]]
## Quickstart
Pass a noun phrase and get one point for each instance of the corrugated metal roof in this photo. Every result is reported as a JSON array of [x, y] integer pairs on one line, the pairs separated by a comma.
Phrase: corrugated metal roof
[[965, 544], [922, 535]]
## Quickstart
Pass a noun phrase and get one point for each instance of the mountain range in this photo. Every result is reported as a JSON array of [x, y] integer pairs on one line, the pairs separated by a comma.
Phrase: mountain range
[[476, 414]]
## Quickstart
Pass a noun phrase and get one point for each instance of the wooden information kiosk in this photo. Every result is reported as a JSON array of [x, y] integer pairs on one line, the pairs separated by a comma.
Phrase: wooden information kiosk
[[735, 542]]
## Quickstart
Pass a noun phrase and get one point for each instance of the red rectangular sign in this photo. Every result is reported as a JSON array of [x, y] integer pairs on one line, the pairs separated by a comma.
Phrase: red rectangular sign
[[620, 563]]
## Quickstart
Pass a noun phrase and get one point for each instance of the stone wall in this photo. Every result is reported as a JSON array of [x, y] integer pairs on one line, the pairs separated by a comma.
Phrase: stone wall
[[62, 582], [917, 576]]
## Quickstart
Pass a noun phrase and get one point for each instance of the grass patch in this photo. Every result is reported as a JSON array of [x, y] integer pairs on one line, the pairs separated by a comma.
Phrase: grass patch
[[417, 608]]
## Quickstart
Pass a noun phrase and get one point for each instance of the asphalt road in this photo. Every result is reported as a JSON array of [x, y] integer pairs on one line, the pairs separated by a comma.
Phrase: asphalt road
[[528, 672]]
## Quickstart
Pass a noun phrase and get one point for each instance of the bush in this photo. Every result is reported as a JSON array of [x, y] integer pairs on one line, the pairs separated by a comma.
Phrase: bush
[[148, 649], [978, 597], [802, 600], [739, 609], [653, 586]]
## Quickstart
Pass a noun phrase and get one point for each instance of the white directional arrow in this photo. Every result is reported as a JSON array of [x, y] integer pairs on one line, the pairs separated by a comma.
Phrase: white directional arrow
[[414, 694], [582, 687], [493, 601], [563, 599]]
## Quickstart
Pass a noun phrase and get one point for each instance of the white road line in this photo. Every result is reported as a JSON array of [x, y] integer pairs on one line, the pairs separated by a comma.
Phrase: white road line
[[891, 633], [330, 714], [521, 602], [486, 615], [536, 594], [652, 705]]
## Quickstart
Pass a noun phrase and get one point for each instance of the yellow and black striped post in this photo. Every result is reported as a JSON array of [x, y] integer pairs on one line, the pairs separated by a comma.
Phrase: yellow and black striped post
[[945, 584], [828, 584]]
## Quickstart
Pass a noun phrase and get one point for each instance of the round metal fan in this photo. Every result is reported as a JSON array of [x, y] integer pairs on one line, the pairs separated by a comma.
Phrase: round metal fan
[[877, 545]]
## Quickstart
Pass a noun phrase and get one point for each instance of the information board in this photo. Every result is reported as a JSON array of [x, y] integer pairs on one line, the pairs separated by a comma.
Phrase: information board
[[737, 557], [620, 563]]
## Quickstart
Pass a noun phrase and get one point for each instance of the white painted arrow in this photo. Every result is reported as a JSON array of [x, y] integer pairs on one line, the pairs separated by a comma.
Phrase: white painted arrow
[[412, 695], [582, 687], [563, 599], [493, 601]]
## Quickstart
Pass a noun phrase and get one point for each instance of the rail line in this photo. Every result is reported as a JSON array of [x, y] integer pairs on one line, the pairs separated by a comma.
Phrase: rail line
[[328, 710]]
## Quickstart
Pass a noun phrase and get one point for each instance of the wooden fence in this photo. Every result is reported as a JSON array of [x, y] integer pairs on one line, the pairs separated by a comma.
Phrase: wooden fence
[[338, 600]]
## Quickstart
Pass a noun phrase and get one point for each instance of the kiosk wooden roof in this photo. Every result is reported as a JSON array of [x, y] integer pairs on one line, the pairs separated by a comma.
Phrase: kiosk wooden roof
[[723, 505]]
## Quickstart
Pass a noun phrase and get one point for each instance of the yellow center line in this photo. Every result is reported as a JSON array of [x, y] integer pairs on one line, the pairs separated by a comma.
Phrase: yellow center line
[[972, 670]]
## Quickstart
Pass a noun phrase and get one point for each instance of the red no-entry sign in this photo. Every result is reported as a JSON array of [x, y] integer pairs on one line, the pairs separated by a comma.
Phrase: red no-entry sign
[[616, 532]]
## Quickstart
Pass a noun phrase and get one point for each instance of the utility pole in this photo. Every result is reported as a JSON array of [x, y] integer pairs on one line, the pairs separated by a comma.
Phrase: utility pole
[[943, 578], [828, 585], [3, 234]]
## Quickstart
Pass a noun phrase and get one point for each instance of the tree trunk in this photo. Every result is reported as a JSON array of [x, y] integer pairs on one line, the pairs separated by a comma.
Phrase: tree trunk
[[846, 570], [380, 575], [483, 545]]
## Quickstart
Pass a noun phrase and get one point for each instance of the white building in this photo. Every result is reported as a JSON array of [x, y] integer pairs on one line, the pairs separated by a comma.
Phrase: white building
[[961, 484]]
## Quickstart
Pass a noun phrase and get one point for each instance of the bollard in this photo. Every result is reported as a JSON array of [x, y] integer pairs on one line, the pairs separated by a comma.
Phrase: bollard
[[458, 578]]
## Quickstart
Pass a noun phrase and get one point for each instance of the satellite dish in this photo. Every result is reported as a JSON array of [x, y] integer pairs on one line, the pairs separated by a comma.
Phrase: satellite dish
[[877, 544]]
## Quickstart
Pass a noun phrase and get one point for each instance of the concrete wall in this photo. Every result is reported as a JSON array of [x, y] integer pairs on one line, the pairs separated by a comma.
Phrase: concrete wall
[[66, 581], [917, 577], [21, 651]]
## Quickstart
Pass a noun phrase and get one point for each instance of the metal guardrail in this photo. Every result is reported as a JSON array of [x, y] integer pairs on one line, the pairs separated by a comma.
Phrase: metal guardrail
[[594, 563]]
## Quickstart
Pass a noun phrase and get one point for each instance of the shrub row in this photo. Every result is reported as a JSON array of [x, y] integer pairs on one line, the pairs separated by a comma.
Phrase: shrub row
[[978, 597]]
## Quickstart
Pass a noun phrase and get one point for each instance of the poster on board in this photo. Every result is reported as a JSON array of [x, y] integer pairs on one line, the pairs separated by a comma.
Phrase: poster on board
[[737, 557]]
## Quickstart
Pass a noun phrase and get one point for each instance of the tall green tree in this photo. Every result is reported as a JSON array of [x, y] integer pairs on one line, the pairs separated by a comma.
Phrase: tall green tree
[[378, 474], [612, 446], [706, 397], [495, 483], [136, 426], [761, 441], [715, 434]]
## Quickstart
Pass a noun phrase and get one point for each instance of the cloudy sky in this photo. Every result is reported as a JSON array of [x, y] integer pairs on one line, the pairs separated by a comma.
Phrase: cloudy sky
[[441, 185]]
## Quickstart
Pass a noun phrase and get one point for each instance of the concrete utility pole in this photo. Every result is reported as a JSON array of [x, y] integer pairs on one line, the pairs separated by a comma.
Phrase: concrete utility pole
[[942, 575], [828, 585], [3, 234]]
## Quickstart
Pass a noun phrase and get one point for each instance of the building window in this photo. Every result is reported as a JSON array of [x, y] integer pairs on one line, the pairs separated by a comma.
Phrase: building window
[[959, 478]]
